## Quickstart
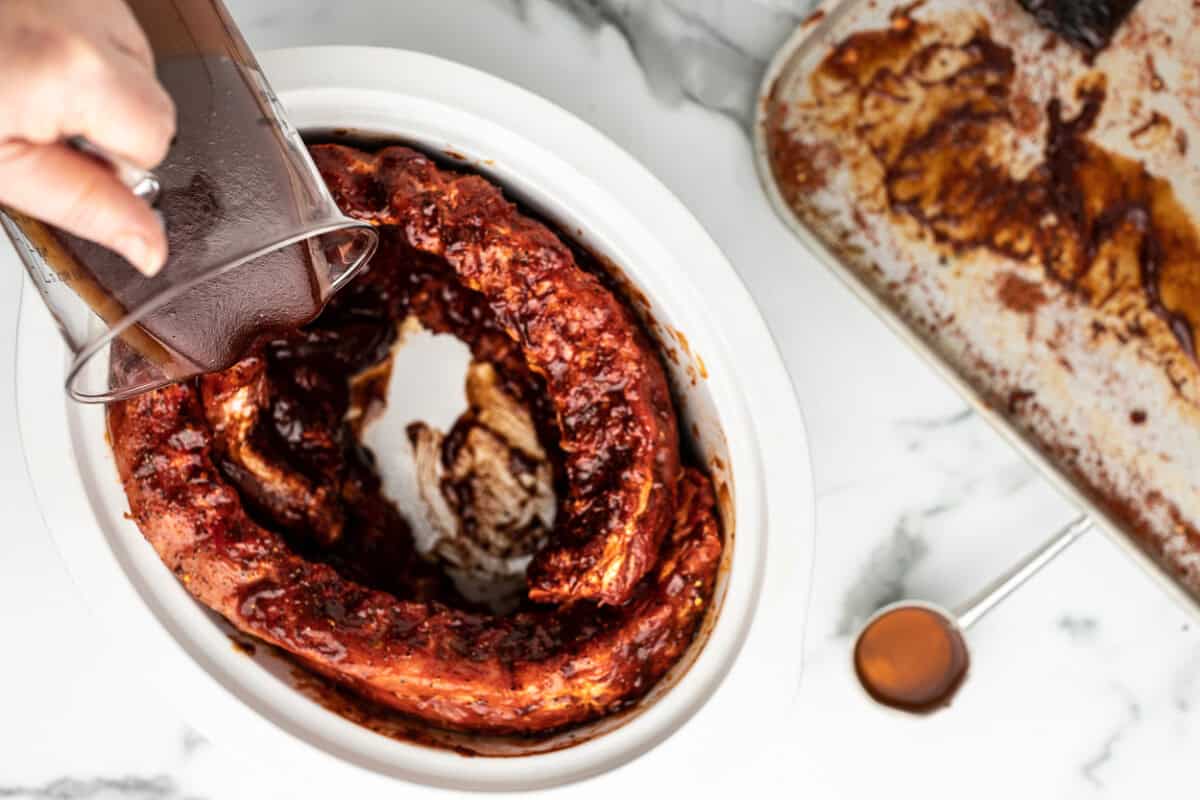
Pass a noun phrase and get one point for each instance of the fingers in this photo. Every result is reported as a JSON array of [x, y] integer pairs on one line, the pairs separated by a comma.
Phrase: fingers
[[126, 35], [127, 112], [81, 68], [124, 110], [83, 73], [82, 196]]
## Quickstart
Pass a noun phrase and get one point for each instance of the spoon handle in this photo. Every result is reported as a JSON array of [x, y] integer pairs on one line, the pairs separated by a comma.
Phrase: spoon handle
[[974, 609]]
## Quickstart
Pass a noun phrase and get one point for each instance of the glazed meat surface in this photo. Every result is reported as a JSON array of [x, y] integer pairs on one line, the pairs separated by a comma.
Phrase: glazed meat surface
[[252, 485], [610, 397], [531, 671]]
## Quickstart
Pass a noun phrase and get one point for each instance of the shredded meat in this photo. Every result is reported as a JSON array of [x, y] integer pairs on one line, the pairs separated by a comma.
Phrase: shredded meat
[[252, 485]]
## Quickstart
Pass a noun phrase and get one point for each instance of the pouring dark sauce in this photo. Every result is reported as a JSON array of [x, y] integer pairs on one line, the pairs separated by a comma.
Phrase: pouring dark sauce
[[224, 160], [256, 243]]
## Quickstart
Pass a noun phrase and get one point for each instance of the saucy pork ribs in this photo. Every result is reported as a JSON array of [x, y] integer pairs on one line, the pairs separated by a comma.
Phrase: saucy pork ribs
[[253, 487]]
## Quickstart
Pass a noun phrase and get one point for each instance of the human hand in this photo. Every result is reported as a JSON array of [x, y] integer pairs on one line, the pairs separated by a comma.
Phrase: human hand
[[81, 68]]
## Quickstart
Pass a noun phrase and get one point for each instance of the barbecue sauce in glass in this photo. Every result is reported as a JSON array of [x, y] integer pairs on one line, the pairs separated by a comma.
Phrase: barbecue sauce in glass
[[231, 186]]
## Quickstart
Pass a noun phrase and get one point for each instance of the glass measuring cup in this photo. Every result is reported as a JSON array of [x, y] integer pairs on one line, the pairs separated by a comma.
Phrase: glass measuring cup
[[257, 244]]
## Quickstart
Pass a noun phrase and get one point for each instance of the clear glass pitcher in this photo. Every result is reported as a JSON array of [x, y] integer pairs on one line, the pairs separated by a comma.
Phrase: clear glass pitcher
[[257, 244]]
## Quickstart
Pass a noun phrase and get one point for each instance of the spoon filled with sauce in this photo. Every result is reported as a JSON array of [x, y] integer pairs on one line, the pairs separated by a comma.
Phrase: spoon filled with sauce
[[912, 655]]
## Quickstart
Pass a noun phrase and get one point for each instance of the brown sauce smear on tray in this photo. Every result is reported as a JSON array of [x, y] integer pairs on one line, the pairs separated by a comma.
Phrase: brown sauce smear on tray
[[1019, 294], [936, 112]]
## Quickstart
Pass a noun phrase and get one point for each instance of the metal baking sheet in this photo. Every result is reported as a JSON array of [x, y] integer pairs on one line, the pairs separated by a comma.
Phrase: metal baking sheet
[[1022, 214]]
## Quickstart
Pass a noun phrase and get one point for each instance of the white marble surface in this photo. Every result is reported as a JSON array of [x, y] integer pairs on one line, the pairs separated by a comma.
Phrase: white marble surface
[[1084, 684]]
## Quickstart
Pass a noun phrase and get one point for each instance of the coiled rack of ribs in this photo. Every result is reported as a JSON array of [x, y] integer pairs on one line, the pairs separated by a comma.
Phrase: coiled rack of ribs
[[254, 488]]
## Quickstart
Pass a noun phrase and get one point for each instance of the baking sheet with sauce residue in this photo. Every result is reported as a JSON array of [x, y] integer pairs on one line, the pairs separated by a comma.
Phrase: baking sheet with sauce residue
[[1026, 215]]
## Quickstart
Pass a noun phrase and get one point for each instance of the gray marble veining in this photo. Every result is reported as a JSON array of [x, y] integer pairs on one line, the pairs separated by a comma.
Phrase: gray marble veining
[[157, 787], [1080, 629], [711, 52], [1185, 683], [191, 741], [883, 577], [951, 448], [1131, 715]]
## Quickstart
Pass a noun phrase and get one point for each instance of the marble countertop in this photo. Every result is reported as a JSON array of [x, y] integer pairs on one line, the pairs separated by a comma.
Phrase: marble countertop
[[1086, 683]]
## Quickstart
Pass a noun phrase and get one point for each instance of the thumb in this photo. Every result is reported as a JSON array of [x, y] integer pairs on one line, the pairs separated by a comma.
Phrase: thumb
[[59, 185]]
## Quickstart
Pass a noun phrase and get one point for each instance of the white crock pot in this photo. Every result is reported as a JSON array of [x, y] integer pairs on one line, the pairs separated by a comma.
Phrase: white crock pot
[[737, 410]]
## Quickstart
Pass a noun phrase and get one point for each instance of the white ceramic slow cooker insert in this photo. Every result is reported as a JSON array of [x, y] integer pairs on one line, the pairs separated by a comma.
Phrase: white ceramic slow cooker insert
[[736, 408]]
